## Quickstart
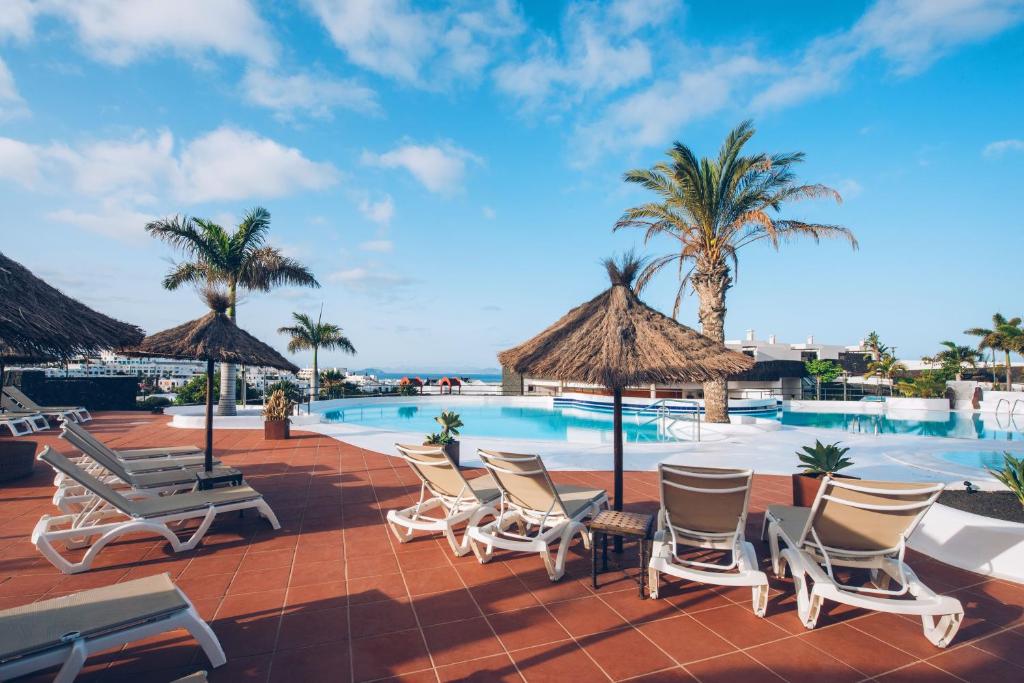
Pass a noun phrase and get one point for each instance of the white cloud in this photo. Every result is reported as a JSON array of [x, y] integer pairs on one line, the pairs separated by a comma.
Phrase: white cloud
[[601, 54], [17, 19], [651, 116], [111, 219], [849, 188], [316, 95], [380, 212], [229, 163], [19, 163], [128, 177], [1000, 147], [377, 245], [121, 32], [374, 279], [392, 38], [489, 213], [11, 104], [910, 35], [439, 168]]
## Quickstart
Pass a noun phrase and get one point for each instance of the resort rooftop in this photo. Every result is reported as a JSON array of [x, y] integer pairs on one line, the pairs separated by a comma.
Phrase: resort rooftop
[[333, 596]]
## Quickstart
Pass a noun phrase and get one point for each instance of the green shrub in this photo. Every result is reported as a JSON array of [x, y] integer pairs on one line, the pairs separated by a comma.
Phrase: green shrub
[[1011, 475]]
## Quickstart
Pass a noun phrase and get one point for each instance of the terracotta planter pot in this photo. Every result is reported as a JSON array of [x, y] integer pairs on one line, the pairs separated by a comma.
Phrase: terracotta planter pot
[[17, 458], [276, 430], [805, 487]]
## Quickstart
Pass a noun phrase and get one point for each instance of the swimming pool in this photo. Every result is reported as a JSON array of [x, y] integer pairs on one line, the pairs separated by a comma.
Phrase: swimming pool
[[980, 459], [499, 421], [924, 423], [574, 424]]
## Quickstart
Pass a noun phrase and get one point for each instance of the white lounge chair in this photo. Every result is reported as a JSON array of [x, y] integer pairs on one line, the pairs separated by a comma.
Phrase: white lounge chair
[[706, 508], [97, 451], [530, 500], [76, 413], [18, 425], [37, 421], [65, 631], [443, 488], [130, 453], [113, 514], [860, 524]]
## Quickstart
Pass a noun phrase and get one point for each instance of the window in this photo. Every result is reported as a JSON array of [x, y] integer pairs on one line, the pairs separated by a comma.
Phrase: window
[[808, 355]]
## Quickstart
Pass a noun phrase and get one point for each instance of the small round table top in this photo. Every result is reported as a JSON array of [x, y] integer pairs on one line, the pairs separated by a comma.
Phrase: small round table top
[[622, 523]]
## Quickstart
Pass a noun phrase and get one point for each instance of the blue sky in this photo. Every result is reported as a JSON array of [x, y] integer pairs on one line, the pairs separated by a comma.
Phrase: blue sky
[[451, 172]]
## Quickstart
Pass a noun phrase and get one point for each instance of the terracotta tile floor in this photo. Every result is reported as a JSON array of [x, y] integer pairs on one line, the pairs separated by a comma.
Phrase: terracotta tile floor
[[332, 596]]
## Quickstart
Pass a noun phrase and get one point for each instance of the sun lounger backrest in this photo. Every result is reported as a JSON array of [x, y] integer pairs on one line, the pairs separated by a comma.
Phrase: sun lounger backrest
[[59, 462], [435, 469], [863, 515], [42, 625], [97, 454], [8, 403], [85, 435], [19, 396], [705, 499], [523, 480]]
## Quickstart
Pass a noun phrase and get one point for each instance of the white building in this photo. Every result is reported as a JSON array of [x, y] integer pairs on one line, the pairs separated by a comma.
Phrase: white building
[[772, 349]]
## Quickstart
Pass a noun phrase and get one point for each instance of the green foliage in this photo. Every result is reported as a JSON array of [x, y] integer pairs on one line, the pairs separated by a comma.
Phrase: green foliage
[[194, 390], [929, 384], [450, 423], [823, 370], [438, 439], [291, 390], [309, 334], [823, 459], [408, 390], [1011, 475], [155, 402], [278, 406]]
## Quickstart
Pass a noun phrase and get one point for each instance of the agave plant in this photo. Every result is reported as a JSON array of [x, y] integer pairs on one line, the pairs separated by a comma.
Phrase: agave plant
[[450, 423], [1012, 475], [823, 459]]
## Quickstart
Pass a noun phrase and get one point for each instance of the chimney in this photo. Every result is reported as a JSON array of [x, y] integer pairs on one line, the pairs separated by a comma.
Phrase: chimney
[[771, 338], [810, 340], [750, 335]]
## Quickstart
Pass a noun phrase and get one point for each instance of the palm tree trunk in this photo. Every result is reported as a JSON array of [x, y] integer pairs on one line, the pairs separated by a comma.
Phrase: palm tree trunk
[[314, 390], [711, 292], [226, 405], [1009, 373]]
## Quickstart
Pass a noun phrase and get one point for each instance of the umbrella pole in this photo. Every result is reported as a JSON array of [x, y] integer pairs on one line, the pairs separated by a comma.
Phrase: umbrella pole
[[208, 464], [2, 410], [617, 448]]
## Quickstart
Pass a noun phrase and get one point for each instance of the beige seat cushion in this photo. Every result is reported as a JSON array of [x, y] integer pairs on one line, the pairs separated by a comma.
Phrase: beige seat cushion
[[184, 502], [577, 498], [791, 520], [42, 625]]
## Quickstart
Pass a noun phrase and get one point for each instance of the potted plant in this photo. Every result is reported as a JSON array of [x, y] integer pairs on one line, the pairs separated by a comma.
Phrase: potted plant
[[817, 462], [276, 414], [17, 458], [450, 423]]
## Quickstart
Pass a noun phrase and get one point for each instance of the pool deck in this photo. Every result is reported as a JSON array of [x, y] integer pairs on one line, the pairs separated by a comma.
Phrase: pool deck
[[333, 597]]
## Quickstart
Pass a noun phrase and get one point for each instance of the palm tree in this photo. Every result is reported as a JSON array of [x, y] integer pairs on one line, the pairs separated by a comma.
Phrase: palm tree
[[886, 367], [875, 345], [238, 259], [954, 356], [306, 334], [1005, 335], [713, 208], [331, 380]]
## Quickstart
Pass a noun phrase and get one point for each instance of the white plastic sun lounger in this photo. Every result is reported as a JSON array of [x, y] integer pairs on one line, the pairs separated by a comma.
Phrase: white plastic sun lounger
[[443, 489], [863, 524], [76, 413], [37, 421], [114, 514], [705, 507], [130, 453], [65, 631], [70, 496], [97, 451], [530, 500], [18, 425]]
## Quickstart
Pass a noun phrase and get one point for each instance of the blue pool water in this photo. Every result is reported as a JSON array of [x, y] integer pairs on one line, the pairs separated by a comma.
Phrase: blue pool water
[[574, 425], [494, 420], [950, 425], [982, 459]]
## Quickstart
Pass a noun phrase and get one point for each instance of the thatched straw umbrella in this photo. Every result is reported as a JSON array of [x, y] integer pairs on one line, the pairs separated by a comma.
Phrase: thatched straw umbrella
[[617, 341], [215, 339], [38, 322]]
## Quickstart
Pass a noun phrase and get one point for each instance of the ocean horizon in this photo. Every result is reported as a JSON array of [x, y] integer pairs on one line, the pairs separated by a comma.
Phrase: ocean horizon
[[492, 377]]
